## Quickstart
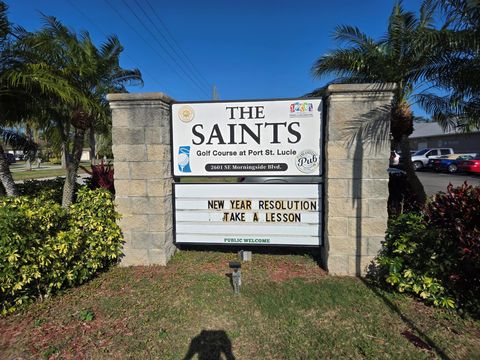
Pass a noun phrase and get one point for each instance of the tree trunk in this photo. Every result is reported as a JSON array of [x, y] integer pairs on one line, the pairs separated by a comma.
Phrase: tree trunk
[[65, 131], [91, 140], [72, 169], [64, 154], [6, 176], [416, 196], [409, 188]]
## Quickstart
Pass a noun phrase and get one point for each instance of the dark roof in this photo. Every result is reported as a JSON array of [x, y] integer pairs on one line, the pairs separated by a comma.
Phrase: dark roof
[[427, 129]]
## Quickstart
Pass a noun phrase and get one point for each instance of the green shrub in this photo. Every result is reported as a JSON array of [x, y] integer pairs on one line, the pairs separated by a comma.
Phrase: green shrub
[[409, 260], [51, 189], [436, 254], [29, 253], [92, 225], [54, 160], [44, 248]]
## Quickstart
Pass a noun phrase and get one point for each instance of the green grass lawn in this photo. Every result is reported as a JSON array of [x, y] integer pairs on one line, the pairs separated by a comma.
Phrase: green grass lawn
[[288, 309], [19, 172]]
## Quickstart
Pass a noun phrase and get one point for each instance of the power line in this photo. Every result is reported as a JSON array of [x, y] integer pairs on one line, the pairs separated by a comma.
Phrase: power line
[[180, 66], [193, 71], [163, 47], [175, 41], [144, 40], [104, 34]]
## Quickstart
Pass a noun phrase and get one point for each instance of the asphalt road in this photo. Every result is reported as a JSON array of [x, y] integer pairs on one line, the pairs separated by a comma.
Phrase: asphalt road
[[435, 182]]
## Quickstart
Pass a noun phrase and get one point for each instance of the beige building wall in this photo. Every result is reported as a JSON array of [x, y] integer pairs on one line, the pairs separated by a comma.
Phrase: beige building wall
[[460, 143]]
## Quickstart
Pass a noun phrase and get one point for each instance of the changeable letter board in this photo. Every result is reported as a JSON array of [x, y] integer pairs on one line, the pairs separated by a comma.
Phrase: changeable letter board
[[248, 214], [247, 138]]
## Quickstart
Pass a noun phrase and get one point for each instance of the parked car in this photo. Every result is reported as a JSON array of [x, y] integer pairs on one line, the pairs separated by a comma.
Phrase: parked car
[[10, 158], [472, 165], [450, 162], [431, 162], [421, 157]]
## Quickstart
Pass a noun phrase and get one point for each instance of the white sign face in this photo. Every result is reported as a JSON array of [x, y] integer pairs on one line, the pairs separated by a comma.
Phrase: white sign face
[[249, 138], [248, 214]]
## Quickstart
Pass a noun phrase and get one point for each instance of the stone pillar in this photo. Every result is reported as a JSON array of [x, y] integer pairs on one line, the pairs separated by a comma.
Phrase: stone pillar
[[143, 176], [356, 179]]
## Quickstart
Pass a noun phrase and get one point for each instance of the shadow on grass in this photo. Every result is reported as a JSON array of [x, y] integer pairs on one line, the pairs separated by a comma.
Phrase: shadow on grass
[[409, 322], [210, 345]]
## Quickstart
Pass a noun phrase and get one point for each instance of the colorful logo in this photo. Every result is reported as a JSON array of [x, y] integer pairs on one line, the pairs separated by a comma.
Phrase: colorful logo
[[183, 159], [186, 113], [301, 109], [307, 161]]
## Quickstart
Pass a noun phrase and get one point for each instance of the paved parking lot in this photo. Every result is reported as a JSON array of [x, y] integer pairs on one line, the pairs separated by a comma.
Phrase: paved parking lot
[[435, 182]]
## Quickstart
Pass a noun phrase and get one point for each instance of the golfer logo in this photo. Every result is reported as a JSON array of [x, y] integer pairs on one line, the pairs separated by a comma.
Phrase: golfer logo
[[307, 161], [186, 113], [183, 159]]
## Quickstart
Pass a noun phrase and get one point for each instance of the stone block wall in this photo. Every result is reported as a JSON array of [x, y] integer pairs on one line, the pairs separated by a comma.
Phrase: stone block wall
[[356, 179], [357, 149], [143, 176]]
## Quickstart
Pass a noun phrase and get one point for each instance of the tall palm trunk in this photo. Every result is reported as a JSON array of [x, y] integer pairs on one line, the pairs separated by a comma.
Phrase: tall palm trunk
[[417, 192], [64, 154], [29, 135], [72, 168], [65, 131], [408, 193], [6, 176], [92, 142]]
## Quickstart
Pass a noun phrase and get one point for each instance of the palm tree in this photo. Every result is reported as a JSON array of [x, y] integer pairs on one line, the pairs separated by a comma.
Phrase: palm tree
[[455, 67], [27, 87], [7, 184], [395, 58], [93, 72], [17, 141], [11, 106]]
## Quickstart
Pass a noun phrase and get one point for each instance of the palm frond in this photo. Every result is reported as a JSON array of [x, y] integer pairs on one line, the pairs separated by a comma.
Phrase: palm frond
[[427, 12], [19, 141], [352, 35], [4, 23], [452, 111], [111, 47]]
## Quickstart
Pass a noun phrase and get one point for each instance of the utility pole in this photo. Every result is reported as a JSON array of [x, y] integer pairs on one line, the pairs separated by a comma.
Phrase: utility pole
[[214, 92]]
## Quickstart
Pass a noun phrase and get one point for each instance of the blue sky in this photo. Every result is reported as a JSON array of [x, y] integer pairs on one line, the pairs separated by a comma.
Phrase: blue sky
[[248, 49]]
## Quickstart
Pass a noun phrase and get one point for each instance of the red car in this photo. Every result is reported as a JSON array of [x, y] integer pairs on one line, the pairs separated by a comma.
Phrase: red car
[[472, 165]]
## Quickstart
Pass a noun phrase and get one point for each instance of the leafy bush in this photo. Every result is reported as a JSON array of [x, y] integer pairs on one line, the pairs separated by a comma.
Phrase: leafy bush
[[92, 224], [436, 254], [44, 248], [29, 253], [45, 189], [408, 260], [456, 214], [54, 160], [102, 177]]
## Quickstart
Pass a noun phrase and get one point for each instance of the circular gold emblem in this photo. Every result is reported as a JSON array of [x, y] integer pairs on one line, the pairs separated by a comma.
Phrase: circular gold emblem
[[186, 113]]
